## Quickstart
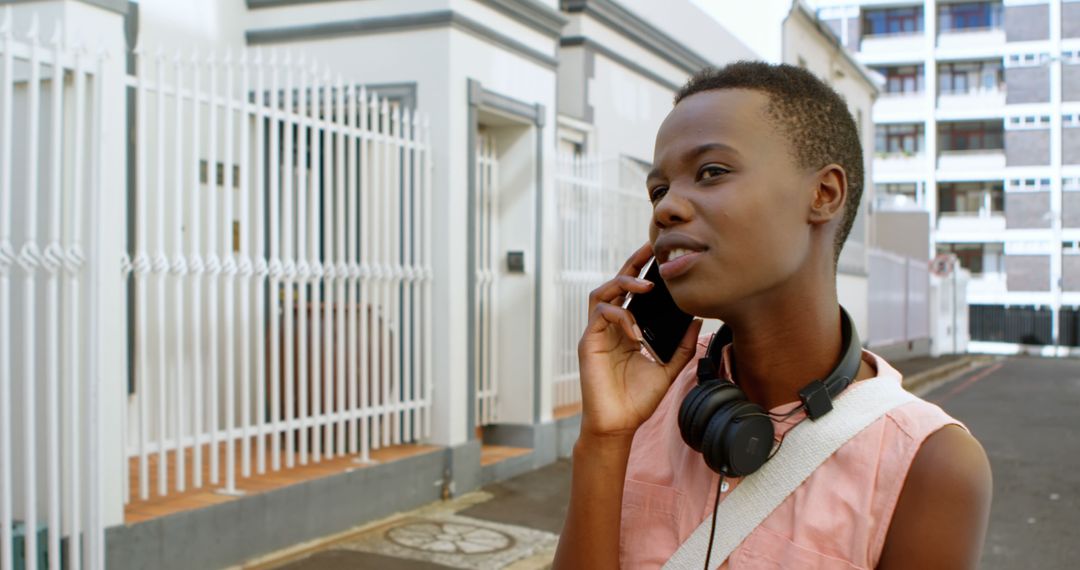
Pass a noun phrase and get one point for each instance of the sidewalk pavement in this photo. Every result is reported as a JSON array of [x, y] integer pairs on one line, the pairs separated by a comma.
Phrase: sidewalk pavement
[[511, 525]]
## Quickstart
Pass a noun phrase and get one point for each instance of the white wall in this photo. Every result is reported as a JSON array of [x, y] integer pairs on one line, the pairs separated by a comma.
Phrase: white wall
[[759, 28]]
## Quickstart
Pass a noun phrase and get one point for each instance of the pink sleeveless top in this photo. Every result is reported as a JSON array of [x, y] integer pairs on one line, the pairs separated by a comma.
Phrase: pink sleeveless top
[[837, 518]]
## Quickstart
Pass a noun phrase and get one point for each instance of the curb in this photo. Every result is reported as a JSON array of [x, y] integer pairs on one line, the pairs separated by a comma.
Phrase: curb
[[956, 367]]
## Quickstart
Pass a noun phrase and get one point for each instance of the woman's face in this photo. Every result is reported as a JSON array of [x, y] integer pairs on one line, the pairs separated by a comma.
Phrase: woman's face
[[731, 207]]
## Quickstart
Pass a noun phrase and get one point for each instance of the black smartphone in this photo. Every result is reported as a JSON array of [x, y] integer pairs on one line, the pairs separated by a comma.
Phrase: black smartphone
[[661, 321]]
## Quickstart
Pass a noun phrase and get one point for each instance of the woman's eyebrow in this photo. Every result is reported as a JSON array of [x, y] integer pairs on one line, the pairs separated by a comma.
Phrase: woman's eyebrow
[[694, 153], [702, 149]]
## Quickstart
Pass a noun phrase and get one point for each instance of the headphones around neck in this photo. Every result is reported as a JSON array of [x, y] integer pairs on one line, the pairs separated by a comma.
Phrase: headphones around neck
[[735, 435]]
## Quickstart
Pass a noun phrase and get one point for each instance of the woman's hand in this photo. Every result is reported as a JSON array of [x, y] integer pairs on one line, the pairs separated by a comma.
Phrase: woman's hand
[[621, 386]]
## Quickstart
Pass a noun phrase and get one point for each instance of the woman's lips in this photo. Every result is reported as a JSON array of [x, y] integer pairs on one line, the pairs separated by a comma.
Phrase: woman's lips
[[678, 266]]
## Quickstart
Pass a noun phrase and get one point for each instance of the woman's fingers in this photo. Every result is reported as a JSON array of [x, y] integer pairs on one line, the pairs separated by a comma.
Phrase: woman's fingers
[[612, 290], [605, 314], [687, 348]]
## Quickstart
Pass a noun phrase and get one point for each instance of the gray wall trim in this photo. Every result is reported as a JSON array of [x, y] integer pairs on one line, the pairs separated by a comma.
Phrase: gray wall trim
[[541, 438], [475, 95], [118, 6], [463, 467], [567, 431], [256, 4], [851, 271], [403, 92], [538, 290], [530, 13], [593, 46], [399, 23], [229, 533], [480, 97], [590, 73], [641, 32]]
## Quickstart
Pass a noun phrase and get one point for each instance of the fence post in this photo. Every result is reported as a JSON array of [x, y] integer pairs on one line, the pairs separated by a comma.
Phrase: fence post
[[99, 27]]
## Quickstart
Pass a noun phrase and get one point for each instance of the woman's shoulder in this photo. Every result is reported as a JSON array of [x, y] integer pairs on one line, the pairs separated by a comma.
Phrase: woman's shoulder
[[916, 419]]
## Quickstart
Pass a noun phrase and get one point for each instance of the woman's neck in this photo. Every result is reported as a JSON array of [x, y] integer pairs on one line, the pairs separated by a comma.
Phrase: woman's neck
[[779, 351]]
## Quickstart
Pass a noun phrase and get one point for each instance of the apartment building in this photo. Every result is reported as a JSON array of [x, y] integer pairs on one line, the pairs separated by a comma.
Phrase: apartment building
[[978, 125]]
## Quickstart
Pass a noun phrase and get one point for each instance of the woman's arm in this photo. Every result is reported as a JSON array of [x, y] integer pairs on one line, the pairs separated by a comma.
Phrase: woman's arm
[[620, 389], [940, 519], [590, 537]]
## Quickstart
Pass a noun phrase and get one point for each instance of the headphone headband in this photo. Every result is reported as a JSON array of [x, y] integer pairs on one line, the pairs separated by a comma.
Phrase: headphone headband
[[818, 394]]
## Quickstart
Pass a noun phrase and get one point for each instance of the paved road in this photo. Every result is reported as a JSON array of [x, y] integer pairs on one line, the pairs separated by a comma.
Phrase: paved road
[[1026, 413]]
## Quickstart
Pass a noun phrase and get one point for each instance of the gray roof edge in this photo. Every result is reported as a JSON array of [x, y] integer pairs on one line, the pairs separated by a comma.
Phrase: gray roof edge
[[640, 31]]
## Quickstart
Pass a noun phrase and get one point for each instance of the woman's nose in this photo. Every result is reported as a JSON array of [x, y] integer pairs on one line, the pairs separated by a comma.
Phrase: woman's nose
[[671, 210]]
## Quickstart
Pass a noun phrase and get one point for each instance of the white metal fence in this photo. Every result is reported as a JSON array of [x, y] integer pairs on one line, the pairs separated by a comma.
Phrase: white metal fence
[[898, 286], [50, 99], [603, 217], [282, 270]]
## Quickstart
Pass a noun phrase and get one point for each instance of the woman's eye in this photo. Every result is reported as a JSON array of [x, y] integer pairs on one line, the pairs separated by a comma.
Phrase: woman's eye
[[657, 193], [712, 171]]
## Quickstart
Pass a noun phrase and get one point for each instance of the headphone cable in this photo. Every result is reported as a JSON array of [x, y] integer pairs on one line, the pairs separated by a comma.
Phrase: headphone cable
[[712, 533]]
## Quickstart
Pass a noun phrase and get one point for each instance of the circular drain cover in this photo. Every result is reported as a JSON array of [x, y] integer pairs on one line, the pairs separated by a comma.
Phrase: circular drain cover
[[449, 538]]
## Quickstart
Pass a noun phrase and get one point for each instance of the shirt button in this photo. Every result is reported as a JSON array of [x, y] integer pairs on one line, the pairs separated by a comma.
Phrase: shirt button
[[724, 486]]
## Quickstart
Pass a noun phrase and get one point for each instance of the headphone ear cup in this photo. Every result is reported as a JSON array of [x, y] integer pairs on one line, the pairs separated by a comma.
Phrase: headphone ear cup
[[748, 442], [717, 453], [699, 405]]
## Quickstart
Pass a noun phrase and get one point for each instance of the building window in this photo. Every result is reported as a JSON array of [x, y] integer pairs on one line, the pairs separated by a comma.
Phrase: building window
[[962, 78], [904, 79], [970, 135], [1028, 185], [971, 198], [893, 21], [1016, 123], [906, 138], [969, 16], [897, 188], [1027, 59], [978, 258]]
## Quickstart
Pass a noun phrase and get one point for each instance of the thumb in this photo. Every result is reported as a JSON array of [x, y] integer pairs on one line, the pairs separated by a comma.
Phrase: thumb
[[687, 349]]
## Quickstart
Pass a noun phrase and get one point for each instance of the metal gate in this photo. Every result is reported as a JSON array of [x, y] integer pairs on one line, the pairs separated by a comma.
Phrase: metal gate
[[485, 246], [603, 217], [281, 271]]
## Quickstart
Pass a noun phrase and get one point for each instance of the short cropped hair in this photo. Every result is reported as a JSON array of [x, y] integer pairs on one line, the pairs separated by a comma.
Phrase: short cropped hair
[[813, 117]]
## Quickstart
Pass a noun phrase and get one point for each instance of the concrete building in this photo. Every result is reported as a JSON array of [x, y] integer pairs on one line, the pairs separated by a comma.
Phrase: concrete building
[[977, 125]]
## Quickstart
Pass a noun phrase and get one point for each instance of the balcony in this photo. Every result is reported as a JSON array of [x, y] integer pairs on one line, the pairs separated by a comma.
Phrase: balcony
[[959, 41], [903, 46], [987, 285], [972, 104], [971, 222], [977, 160], [895, 164], [896, 107]]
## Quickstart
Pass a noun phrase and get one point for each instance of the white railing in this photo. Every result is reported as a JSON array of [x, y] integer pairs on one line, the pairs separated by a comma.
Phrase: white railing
[[603, 217], [486, 246], [50, 101], [898, 299], [281, 269]]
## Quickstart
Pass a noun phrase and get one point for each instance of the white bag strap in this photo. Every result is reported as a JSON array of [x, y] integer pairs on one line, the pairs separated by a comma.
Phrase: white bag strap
[[807, 446]]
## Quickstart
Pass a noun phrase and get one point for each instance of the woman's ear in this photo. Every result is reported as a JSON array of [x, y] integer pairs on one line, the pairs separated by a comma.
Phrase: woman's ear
[[830, 193]]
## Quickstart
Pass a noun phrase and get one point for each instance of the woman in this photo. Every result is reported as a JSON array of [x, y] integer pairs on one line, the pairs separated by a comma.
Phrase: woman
[[758, 175]]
